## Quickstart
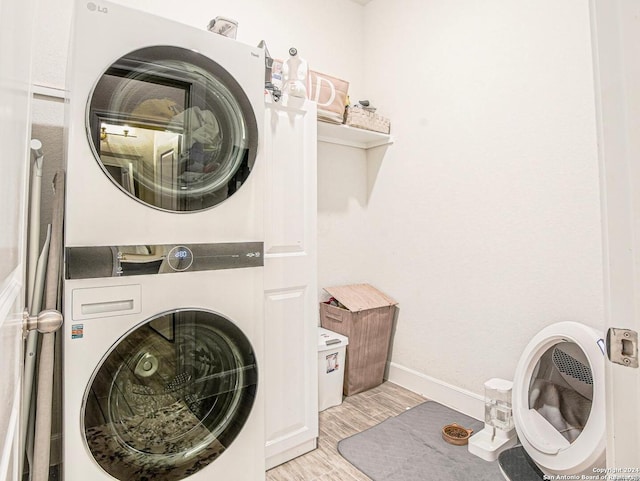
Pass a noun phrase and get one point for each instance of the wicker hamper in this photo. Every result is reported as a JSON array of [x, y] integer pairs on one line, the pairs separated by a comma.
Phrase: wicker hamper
[[367, 322]]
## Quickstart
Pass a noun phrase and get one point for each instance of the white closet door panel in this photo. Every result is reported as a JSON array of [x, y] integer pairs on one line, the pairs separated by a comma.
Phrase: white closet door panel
[[290, 197], [291, 303], [286, 365]]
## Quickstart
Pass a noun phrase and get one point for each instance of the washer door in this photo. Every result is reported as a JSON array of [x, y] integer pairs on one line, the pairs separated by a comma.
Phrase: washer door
[[558, 399], [170, 396], [172, 129]]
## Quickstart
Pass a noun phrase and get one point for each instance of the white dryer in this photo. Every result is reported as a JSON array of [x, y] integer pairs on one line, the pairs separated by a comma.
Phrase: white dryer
[[163, 375], [163, 132]]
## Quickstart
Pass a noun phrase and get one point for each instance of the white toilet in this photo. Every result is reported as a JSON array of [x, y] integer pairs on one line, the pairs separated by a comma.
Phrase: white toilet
[[558, 399]]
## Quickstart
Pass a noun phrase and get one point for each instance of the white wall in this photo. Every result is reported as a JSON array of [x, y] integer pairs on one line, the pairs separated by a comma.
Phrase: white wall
[[483, 218], [342, 204]]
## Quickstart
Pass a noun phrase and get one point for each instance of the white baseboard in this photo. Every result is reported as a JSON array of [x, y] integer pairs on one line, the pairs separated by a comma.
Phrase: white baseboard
[[461, 400]]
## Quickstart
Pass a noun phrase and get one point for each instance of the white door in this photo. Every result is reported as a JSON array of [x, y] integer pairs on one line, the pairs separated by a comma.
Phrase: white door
[[616, 46], [290, 271], [16, 27]]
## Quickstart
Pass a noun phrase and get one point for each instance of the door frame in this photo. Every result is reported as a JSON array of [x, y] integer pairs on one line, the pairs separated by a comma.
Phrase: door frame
[[615, 28]]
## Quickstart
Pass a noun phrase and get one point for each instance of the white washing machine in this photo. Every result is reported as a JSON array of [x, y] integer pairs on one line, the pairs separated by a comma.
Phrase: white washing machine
[[558, 400], [163, 137], [163, 375]]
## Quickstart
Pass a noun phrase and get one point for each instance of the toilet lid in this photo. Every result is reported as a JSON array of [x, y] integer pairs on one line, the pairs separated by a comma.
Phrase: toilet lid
[[558, 398]]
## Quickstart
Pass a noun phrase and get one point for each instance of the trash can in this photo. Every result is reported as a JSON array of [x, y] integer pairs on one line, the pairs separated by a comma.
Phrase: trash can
[[331, 361], [365, 315]]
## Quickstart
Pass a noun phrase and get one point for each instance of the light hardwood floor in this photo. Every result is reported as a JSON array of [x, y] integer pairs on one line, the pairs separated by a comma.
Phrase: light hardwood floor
[[354, 415]]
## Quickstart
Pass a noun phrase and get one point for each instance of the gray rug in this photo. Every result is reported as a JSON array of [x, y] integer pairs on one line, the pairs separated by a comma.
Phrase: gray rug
[[409, 447]]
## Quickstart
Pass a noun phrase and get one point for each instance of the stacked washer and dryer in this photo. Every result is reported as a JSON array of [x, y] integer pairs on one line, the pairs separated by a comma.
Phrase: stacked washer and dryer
[[163, 290]]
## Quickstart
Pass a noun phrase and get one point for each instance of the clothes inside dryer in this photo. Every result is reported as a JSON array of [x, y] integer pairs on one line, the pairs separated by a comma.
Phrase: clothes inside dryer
[[561, 389], [170, 396], [172, 129]]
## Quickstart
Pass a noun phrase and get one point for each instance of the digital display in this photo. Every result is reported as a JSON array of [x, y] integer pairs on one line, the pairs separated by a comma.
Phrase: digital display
[[180, 258]]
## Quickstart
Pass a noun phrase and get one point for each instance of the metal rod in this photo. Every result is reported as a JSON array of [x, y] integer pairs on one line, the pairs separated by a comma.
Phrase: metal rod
[[42, 438], [33, 249]]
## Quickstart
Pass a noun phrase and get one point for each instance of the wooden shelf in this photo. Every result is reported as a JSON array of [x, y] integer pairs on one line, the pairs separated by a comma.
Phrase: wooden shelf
[[351, 136]]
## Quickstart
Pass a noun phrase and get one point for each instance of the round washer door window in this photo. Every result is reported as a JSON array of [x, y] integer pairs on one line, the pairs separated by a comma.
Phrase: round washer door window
[[172, 129], [170, 397]]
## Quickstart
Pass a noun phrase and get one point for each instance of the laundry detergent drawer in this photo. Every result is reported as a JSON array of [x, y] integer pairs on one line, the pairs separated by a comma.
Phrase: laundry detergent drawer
[[95, 302]]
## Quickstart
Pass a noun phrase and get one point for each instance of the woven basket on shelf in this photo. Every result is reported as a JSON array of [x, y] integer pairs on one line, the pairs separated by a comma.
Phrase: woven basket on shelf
[[363, 119]]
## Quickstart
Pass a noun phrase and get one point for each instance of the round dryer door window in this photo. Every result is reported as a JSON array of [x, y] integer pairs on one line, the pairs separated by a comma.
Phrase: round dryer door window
[[170, 396], [172, 129]]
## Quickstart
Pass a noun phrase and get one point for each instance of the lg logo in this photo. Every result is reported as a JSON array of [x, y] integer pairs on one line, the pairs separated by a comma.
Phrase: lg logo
[[97, 8]]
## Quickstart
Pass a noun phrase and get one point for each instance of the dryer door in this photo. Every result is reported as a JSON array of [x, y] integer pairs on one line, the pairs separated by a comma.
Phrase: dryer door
[[170, 396], [172, 129]]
